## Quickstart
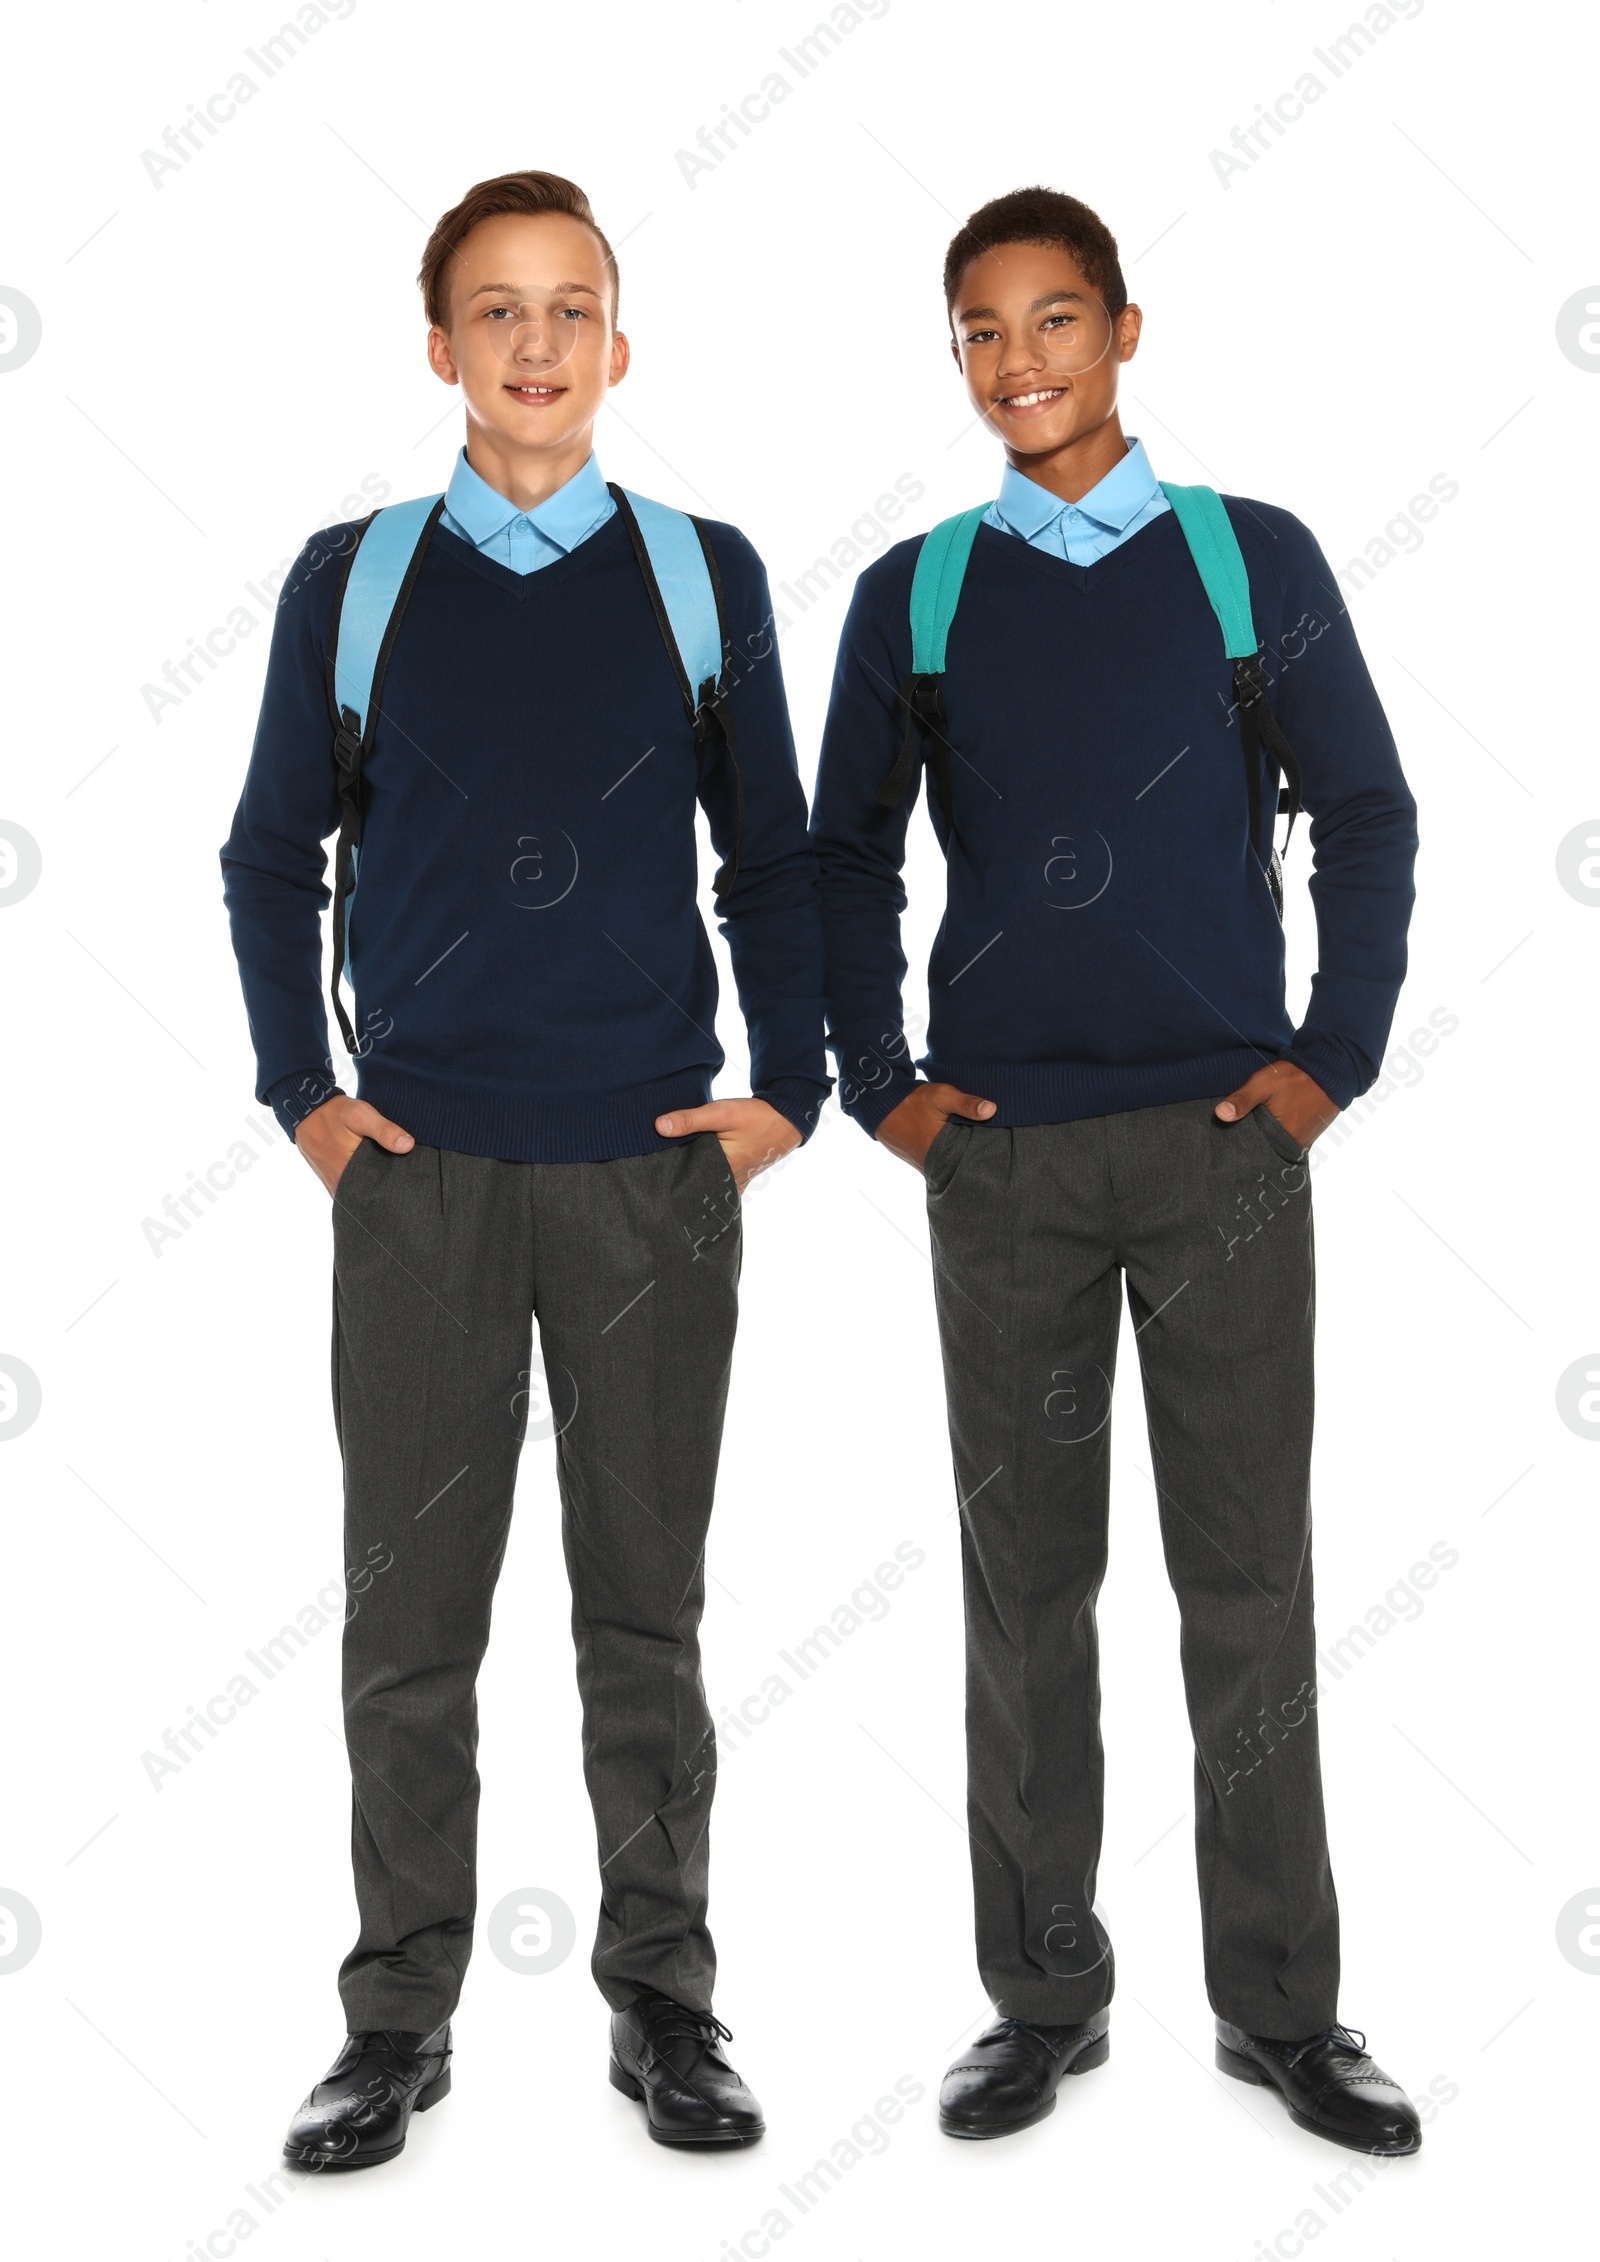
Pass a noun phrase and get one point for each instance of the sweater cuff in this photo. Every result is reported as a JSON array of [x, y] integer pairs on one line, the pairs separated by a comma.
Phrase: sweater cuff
[[869, 1107], [798, 1100], [1328, 1062], [292, 1098]]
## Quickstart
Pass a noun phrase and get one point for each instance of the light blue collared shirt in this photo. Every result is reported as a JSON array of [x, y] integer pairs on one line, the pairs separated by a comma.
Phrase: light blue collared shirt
[[1127, 499], [525, 540]]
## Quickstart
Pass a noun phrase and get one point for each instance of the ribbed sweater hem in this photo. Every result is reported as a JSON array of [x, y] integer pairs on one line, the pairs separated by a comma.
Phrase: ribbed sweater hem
[[1062, 1092], [520, 1127]]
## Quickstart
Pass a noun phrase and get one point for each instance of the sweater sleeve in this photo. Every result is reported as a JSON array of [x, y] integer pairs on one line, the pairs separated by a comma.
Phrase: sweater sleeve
[[770, 915], [1363, 818], [273, 861], [861, 849]]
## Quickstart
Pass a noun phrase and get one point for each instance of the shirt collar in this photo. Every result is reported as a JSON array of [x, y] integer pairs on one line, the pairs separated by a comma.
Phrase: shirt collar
[[564, 518], [1114, 501]]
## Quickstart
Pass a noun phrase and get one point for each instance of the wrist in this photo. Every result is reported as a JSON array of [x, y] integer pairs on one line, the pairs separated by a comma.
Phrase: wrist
[[1327, 1062], [292, 1098], [799, 1101], [872, 1109]]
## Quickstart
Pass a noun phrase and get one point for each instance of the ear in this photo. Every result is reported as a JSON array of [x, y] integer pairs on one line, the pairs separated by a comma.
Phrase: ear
[[1130, 322], [621, 355], [440, 359]]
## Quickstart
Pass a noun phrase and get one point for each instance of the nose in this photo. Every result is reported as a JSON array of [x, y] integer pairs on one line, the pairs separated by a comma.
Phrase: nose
[[532, 342], [1019, 357]]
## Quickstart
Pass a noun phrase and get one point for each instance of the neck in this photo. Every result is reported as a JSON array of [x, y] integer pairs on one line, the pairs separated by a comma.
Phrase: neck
[[526, 476], [1078, 464]]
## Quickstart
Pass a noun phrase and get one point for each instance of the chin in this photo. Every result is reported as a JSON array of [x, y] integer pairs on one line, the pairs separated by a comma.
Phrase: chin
[[1037, 439], [545, 426]]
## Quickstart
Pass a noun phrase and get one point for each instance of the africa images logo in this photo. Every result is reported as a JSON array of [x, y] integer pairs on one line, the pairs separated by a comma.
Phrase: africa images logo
[[1578, 329]]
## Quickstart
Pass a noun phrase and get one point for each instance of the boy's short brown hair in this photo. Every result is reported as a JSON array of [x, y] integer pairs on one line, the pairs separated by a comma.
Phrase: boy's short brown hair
[[508, 192], [1040, 215]]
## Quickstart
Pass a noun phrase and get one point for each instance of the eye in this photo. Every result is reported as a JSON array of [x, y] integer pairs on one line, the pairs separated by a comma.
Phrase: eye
[[981, 337], [1051, 320], [497, 313]]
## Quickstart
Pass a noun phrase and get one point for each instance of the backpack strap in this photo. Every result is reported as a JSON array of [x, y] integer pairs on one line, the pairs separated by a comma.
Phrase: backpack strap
[[935, 593], [936, 586], [1214, 547], [684, 585], [369, 602]]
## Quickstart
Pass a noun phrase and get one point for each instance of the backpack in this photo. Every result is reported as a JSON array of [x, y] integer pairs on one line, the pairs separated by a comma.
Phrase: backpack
[[375, 584], [1214, 547]]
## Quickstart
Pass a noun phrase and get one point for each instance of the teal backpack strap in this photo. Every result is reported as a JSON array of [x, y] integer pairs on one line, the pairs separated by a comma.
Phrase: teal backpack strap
[[935, 593], [1214, 547], [679, 566], [936, 587], [369, 602]]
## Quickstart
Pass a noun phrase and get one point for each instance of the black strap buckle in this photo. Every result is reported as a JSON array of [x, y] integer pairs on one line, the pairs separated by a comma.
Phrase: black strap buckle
[[713, 714], [347, 769], [1259, 733], [922, 697]]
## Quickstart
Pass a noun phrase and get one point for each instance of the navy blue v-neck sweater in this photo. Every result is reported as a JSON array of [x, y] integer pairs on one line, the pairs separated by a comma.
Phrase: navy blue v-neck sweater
[[531, 974], [1109, 938]]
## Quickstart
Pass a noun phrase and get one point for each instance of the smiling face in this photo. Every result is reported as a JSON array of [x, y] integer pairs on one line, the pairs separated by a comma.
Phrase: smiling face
[[1036, 348], [530, 339]]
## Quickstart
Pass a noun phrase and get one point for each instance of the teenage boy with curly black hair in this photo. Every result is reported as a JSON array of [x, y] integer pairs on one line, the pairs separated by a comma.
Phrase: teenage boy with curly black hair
[[1114, 1092]]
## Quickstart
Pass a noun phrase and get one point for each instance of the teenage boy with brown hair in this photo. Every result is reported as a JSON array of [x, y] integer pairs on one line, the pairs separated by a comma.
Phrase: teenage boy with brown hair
[[534, 1135], [1113, 1088]]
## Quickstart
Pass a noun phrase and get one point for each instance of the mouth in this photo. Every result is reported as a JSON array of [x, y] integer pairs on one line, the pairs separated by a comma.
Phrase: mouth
[[539, 395], [1021, 404]]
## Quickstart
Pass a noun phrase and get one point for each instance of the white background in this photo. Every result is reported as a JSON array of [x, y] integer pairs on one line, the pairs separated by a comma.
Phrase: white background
[[224, 356]]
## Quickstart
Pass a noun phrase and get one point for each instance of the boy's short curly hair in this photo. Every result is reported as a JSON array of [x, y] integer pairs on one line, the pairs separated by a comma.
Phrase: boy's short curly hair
[[1044, 216]]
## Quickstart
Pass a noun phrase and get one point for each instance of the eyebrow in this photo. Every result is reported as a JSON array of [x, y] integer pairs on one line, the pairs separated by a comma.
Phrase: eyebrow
[[1050, 298], [511, 289]]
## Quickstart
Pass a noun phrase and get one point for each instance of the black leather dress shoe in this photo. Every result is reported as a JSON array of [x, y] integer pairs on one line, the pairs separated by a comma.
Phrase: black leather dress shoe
[[670, 2059], [1009, 2078], [1329, 2084], [359, 2112]]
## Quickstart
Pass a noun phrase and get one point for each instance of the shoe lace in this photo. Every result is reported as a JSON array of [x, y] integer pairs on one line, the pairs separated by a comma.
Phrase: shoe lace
[[675, 2022], [1026, 2026], [1346, 2037]]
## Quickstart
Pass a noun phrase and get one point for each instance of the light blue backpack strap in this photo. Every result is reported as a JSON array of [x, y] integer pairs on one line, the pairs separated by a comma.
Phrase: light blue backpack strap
[[688, 594], [679, 566], [1214, 547], [367, 610], [936, 587], [377, 573]]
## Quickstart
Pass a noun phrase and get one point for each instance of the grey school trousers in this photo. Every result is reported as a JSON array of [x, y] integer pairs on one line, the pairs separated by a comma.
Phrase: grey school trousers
[[442, 1264], [1034, 1232]]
